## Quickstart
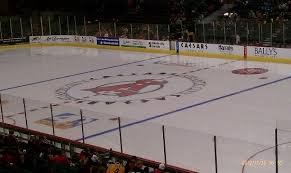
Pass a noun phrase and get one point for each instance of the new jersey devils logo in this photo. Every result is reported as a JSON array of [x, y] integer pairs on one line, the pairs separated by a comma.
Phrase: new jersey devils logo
[[127, 89]]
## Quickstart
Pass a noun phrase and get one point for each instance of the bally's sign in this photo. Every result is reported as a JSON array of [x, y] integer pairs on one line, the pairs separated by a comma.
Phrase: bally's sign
[[266, 51]]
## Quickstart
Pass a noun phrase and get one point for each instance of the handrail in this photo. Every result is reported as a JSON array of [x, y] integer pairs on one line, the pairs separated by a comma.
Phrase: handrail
[[76, 144]]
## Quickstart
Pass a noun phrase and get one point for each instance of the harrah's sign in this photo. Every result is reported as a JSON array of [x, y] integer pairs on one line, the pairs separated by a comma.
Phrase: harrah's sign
[[225, 49]]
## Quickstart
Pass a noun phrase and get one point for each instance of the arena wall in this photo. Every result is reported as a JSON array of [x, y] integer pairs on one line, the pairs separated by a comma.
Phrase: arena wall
[[264, 54]]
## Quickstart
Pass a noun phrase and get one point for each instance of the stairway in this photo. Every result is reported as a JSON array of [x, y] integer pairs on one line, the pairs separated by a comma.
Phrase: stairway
[[215, 15], [267, 41]]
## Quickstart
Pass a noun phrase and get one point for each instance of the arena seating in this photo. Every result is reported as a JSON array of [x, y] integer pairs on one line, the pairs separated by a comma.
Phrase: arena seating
[[27, 151], [269, 10], [191, 10]]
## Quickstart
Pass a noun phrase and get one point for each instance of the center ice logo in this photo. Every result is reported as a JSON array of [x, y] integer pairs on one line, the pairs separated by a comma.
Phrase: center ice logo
[[129, 89]]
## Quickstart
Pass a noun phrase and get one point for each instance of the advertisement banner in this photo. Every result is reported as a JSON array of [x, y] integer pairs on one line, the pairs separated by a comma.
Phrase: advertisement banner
[[58, 39], [53, 39], [155, 44], [133, 43], [150, 44], [227, 49], [12, 41], [86, 40], [268, 52], [35, 39], [193, 47], [217, 49], [107, 41]]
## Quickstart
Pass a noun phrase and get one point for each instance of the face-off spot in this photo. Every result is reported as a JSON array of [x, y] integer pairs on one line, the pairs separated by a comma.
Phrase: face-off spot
[[250, 71]]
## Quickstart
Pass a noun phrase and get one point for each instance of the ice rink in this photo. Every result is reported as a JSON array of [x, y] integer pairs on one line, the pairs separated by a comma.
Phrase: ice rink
[[195, 98]]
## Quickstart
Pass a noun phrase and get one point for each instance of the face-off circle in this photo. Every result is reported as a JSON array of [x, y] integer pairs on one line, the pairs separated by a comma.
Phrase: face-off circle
[[250, 71], [131, 88]]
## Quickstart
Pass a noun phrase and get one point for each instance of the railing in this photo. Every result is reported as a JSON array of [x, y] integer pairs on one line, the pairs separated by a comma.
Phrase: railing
[[20, 27], [250, 32], [71, 148], [184, 148]]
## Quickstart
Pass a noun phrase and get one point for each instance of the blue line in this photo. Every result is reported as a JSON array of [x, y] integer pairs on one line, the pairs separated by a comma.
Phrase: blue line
[[184, 108], [77, 74]]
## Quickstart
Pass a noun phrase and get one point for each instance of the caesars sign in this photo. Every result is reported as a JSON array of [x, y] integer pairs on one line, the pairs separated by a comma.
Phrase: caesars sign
[[193, 47]]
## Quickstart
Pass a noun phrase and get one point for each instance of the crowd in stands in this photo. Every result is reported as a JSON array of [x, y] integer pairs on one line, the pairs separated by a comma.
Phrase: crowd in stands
[[189, 10], [38, 155], [177, 11], [198, 10], [263, 10], [139, 31], [182, 10]]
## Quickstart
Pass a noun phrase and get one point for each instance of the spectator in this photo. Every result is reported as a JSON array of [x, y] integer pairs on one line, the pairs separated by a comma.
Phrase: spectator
[[106, 34], [139, 167], [161, 168], [117, 167], [11, 140], [39, 155], [94, 163], [10, 157], [130, 166], [237, 39], [146, 170], [84, 159], [262, 10], [60, 158]]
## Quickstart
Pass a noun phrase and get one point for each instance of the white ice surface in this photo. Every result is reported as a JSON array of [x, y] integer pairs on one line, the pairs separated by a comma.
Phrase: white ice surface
[[244, 123]]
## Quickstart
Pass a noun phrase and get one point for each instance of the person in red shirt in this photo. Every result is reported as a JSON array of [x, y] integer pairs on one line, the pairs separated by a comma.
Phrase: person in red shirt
[[10, 157], [84, 157], [60, 158]]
